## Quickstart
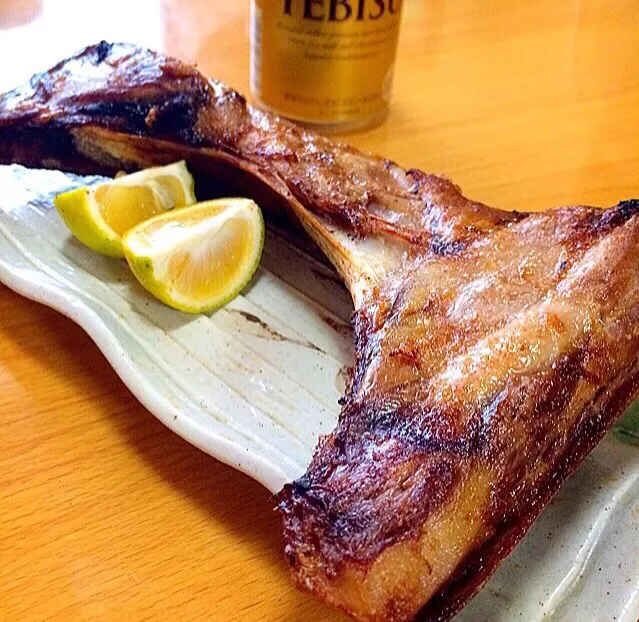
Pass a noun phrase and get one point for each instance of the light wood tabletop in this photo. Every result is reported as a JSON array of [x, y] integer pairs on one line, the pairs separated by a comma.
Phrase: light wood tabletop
[[107, 515]]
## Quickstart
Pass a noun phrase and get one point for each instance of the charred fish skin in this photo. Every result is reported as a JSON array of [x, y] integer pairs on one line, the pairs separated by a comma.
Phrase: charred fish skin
[[116, 86], [434, 450], [106, 107], [493, 349]]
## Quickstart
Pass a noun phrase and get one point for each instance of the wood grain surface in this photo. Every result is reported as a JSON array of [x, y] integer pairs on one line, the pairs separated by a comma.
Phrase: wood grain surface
[[105, 514]]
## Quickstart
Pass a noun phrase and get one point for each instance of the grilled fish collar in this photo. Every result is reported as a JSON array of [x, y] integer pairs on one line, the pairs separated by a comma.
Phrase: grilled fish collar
[[493, 349]]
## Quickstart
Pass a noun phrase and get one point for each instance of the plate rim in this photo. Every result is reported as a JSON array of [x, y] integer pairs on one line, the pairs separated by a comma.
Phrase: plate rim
[[41, 288]]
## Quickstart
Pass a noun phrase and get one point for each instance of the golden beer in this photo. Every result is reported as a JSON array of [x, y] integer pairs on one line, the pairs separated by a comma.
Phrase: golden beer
[[325, 62]]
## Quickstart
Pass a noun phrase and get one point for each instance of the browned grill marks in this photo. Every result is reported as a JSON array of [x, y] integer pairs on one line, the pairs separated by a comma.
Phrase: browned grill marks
[[492, 349]]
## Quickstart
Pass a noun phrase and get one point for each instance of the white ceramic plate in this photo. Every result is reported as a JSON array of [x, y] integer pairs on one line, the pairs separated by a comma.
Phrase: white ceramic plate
[[256, 383]]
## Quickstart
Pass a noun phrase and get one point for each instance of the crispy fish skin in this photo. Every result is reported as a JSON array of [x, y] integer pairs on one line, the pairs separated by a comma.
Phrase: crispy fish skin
[[117, 106], [481, 382], [493, 349]]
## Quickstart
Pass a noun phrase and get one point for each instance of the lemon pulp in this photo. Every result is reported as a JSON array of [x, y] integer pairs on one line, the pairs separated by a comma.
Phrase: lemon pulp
[[198, 258], [99, 216]]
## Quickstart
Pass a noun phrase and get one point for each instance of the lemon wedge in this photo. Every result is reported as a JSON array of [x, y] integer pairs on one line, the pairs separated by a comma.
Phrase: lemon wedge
[[198, 258], [99, 215]]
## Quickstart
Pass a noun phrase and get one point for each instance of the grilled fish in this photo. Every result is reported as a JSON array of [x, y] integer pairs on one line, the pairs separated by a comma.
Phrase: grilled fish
[[493, 349]]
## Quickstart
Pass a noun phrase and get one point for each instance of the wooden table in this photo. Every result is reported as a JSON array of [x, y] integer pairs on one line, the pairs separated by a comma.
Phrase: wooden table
[[104, 513]]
